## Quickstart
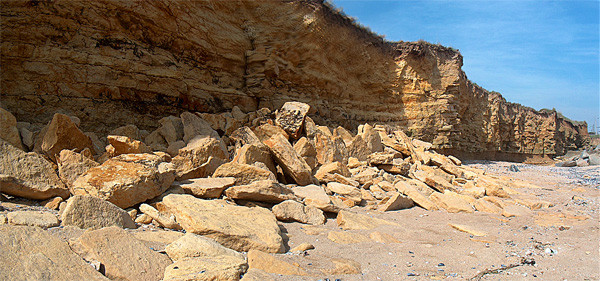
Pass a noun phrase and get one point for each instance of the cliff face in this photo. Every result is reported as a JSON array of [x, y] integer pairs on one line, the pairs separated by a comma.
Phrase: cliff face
[[116, 62]]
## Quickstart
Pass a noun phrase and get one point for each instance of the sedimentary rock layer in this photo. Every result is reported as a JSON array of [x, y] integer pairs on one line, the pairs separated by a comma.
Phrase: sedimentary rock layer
[[111, 62]]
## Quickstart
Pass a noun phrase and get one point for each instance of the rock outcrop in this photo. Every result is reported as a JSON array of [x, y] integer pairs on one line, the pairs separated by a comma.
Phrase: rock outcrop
[[112, 62]]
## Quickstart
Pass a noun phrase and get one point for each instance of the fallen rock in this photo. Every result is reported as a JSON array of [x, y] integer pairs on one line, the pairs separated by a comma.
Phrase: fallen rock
[[158, 239], [123, 256], [191, 246], [28, 175], [206, 268], [302, 247], [512, 210], [268, 263], [467, 229], [358, 148], [245, 135], [416, 196], [238, 228], [164, 220], [126, 180], [32, 218], [131, 131], [71, 165], [8, 129], [61, 134], [344, 266], [348, 220], [52, 203], [330, 149], [451, 202], [294, 211], [252, 153], [395, 201], [307, 151], [86, 211], [347, 191], [371, 138], [194, 126], [292, 164], [38, 255], [243, 173], [326, 172], [206, 187], [291, 117], [315, 196], [262, 191], [383, 238], [343, 237], [482, 205], [124, 145], [266, 131], [193, 160]]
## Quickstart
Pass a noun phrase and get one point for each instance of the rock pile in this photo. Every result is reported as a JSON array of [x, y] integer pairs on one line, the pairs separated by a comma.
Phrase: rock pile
[[226, 179], [584, 159]]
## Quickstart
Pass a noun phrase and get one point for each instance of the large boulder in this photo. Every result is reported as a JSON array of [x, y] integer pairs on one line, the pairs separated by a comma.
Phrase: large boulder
[[86, 211], [194, 126], [28, 175], [195, 159], [252, 153], [8, 129], [122, 255], [307, 151], [31, 253], [127, 179], [62, 133], [243, 173], [292, 164], [330, 149], [262, 191], [238, 228], [291, 117], [71, 165]]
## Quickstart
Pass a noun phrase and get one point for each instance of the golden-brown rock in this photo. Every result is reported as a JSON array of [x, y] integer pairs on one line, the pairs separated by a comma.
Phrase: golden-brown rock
[[61, 134], [243, 173], [287, 158]]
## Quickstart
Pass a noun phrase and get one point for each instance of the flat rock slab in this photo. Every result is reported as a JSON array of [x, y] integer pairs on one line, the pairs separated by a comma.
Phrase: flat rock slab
[[86, 211], [271, 264], [33, 218], [243, 173], [206, 187], [235, 227], [123, 256], [31, 253], [348, 220], [192, 245], [262, 191], [206, 268], [295, 211]]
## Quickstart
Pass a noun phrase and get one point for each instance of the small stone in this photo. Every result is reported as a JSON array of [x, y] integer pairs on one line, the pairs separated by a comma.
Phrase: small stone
[[347, 191], [468, 229], [396, 201], [143, 219], [344, 266], [303, 247], [53, 203], [383, 238], [164, 220]]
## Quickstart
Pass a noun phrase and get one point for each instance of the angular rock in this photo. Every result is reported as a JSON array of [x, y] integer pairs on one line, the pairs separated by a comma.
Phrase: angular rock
[[266, 131], [347, 191], [32, 218], [164, 220], [483, 205], [243, 173], [346, 136], [192, 245], [455, 160], [358, 148], [291, 117], [123, 256], [252, 153], [28, 175], [396, 201], [512, 210], [126, 180], [379, 158], [492, 187], [131, 131], [396, 168], [451, 202], [383, 238], [206, 268], [330, 149], [269, 263], [243, 136], [292, 164], [38, 255], [348, 220], [315, 196], [307, 151], [8, 129], [344, 266], [86, 211], [343, 237], [125, 145], [193, 160], [326, 172], [194, 126], [294, 211], [235, 227], [27, 137], [262, 191], [416, 196], [206, 187], [71, 165], [302, 247], [52, 203], [61, 134], [255, 274], [157, 240], [371, 138], [171, 129], [467, 229]]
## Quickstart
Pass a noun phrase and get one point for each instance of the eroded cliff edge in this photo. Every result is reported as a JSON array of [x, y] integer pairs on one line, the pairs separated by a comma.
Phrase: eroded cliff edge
[[112, 63]]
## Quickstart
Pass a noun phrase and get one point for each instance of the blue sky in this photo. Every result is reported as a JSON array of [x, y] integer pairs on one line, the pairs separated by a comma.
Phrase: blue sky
[[542, 54]]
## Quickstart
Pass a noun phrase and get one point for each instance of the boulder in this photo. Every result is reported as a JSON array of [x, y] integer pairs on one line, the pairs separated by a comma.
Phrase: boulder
[[330, 149], [33, 218], [452, 202], [266, 131], [122, 255], [71, 165], [206, 268], [483, 205], [291, 163], [358, 148], [39, 255], [126, 180], [86, 211], [206, 187], [194, 126], [344, 134], [243, 173], [163, 220], [261, 191], [124, 145], [131, 131], [594, 159], [416, 196], [326, 172], [235, 227], [193, 160], [157, 239], [192, 245], [252, 153], [347, 191], [348, 220], [269, 263], [28, 175], [8, 129], [395, 201], [294, 211], [371, 138], [315, 196], [245, 135], [291, 117], [61, 134], [307, 151]]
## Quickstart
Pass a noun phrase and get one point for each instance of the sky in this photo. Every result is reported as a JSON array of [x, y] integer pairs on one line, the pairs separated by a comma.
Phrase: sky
[[539, 53]]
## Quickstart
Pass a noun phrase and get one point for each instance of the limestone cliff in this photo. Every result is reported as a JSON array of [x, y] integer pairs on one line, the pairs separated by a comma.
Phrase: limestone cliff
[[116, 62]]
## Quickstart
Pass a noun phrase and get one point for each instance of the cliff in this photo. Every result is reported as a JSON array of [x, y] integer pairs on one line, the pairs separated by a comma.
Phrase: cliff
[[116, 62]]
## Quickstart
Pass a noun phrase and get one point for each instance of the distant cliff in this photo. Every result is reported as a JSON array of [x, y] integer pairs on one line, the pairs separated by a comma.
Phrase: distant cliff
[[116, 62]]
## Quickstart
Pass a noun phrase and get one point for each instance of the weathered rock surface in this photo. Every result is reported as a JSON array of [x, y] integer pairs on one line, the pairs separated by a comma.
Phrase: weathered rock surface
[[86, 211], [243, 173], [294, 211], [262, 191], [292, 164], [126, 180], [8, 129], [252, 153], [61, 134], [291, 117], [123, 256], [192, 245], [343, 237], [71, 165], [235, 227], [164, 220], [32, 218], [40, 256], [206, 268], [124, 145], [268, 263], [348, 220], [206, 187], [28, 175], [193, 161]]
